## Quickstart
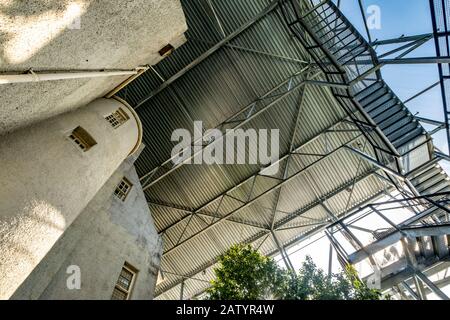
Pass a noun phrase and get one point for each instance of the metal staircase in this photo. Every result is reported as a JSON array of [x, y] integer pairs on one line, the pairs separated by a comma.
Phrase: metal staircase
[[396, 122], [424, 237], [350, 65], [428, 246], [430, 179], [352, 71], [346, 59]]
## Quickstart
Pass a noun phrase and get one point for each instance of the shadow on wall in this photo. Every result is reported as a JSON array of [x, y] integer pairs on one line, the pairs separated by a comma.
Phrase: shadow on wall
[[26, 27], [85, 34], [50, 35], [44, 217], [24, 241]]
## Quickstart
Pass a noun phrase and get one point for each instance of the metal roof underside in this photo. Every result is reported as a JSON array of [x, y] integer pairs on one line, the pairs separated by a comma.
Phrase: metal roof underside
[[201, 210]]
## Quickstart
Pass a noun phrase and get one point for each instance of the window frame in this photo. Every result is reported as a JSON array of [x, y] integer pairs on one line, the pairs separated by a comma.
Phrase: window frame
[[81, 139], [128, 267], [117, 118], [167, 50], [119, 191]]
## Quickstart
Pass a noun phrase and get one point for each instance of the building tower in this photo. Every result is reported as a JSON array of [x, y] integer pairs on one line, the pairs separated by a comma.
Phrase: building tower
[[50, 172]]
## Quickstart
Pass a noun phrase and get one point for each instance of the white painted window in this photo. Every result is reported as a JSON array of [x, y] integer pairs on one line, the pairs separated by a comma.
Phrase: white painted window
[[123, 189], [124, 285], [117, 118], [82, 139]]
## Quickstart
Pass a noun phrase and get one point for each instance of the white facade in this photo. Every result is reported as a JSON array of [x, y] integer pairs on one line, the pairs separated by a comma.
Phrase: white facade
[[57, 203], [48, 180], [106, 235]]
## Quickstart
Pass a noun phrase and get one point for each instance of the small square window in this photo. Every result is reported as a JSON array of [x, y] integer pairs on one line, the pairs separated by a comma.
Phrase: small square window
[[123, 189], [166, 50], [124, 284], [117, 118], [82, 139]]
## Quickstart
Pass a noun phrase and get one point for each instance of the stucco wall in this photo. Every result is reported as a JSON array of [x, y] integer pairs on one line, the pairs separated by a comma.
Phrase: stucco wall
[[106, 34], [47, 181], [106, 234]]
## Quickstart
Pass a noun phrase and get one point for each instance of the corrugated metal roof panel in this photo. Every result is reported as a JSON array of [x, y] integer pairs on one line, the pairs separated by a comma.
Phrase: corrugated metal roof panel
[[253, 63]]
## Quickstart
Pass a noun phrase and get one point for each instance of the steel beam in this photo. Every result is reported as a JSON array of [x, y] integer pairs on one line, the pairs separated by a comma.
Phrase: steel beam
[[363, 14], [419, 288], [293, 216], [439, 53], [418, 60], [293, 135], [400, 39], [240, 123], [376, 163], [182, 290], [258, 52], [276, 187], [271, 7], [432, 286], [284, 157], [145, 179], [285, 256], [216, 19], [410, 290]]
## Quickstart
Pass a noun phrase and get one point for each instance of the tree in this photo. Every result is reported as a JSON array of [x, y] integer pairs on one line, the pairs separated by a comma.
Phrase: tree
[[361, 290], [311, 283], [244, 274]]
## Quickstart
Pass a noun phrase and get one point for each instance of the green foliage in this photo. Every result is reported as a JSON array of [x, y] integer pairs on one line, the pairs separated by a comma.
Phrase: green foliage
[[361, 290], [311, 283], [245, 274]]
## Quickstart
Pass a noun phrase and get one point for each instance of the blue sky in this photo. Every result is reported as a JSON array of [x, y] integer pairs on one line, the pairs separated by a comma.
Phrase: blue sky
[[406, 17]]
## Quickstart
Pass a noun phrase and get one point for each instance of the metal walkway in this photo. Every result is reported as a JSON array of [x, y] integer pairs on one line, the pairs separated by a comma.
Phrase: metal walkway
[[399, 246], [389, 113], [352, 71], [347, 59]]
